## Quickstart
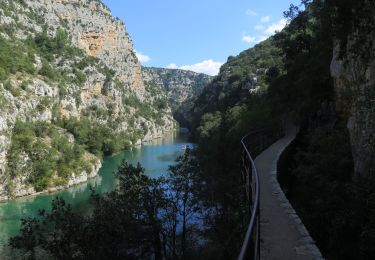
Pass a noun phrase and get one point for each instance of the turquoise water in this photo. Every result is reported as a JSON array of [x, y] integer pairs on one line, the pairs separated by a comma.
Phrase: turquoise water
[[155, 157]]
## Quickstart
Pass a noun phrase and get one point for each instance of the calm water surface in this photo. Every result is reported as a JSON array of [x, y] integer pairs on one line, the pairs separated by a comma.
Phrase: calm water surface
[[155, 157]]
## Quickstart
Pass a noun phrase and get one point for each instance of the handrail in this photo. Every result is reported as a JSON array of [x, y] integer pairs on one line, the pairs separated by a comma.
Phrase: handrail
[[254, 219], [252, 145]]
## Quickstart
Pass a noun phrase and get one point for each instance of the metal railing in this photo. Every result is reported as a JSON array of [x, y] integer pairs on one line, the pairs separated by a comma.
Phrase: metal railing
[[252, 145]]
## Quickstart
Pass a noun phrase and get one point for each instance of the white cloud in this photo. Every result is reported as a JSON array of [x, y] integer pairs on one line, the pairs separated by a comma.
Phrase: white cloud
[[276, 27], [248, 39], [172, 66], [208, 67], [142, 57], [261, 38], [269, 30], [265, 19], [251, 12], [259, 27]]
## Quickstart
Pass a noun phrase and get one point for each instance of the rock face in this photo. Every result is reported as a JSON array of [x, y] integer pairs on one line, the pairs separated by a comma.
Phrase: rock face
[[180, 85], [354, 80], [74, 69], [93, 29], [182, 88]]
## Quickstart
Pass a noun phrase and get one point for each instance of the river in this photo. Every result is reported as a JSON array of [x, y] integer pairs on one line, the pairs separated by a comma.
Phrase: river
[[154, 156]]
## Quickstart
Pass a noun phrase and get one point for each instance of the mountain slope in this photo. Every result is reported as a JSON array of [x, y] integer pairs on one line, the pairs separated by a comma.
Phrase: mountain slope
[[182, 88], [324, 82], [241, 79], [180, 85], [71, 90]]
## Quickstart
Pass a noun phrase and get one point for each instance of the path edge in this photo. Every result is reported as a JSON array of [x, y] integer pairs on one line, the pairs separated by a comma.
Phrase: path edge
[[306, 243]]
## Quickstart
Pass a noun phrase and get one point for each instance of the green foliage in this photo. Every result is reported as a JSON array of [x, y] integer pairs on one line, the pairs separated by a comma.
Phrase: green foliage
[[109, 73], [96, 138], [153, 88], [61, 39], [3, 101], [80, 78], [210, 125], [51, 55], [146, 110], [138, 220], [24, 85], [308, 46], [236, 102], [170, 77], [97, 112], [218, 151], [87, 61], [48, 72], [317, 172], [353, 22], [49, 46], [14, 58], [18, 56], [185, 204], [59, 46], [237, 77], [44, 104], [12, 89], [293, 73], [46, 161], [161, 103]]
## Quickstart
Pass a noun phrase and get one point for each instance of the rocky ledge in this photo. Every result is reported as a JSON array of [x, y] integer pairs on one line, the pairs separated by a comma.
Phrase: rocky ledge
[[22, 190]]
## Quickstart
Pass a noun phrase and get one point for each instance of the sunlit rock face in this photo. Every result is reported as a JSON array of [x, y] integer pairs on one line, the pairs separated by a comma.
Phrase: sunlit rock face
[[111, 91], [95, 30]]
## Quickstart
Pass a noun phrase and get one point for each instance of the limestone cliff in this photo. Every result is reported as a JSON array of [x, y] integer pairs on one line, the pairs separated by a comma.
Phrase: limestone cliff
[[180, 85], [71, 88], [354, 77]]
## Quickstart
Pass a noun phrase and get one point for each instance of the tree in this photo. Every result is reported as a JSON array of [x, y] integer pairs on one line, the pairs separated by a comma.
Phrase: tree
[[142, 218], [183, 196], [124, 224], [61, 39]]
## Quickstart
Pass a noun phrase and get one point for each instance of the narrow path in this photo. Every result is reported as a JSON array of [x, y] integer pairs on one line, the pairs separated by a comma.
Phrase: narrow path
[[283, 235]]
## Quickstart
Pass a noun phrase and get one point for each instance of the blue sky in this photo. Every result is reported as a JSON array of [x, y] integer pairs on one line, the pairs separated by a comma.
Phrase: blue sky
[[198, 35]]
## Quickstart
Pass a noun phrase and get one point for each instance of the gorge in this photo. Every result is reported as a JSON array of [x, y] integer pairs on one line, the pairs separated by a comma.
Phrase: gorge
[[74, 99], [75, 93]]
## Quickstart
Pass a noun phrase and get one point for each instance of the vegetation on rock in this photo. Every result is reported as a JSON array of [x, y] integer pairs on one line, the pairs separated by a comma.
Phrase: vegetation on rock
[[181, 88], [48, 78]]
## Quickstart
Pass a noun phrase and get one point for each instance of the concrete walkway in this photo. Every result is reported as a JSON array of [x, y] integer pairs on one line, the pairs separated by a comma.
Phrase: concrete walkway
[[283, 235]]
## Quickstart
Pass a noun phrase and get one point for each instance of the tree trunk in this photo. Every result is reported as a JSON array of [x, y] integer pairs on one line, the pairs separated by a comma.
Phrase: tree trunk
[[183, 238]]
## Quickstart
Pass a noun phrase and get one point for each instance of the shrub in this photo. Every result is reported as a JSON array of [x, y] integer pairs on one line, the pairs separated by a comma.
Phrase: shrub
[[48, 71], [60, 157], [14, 58], [16, 92]]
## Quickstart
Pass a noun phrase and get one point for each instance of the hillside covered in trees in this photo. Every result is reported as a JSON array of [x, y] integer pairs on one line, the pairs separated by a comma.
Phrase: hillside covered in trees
[[317, 73]]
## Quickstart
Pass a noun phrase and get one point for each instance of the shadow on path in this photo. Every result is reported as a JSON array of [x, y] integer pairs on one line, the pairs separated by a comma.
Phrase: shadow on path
[[283, 235]]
